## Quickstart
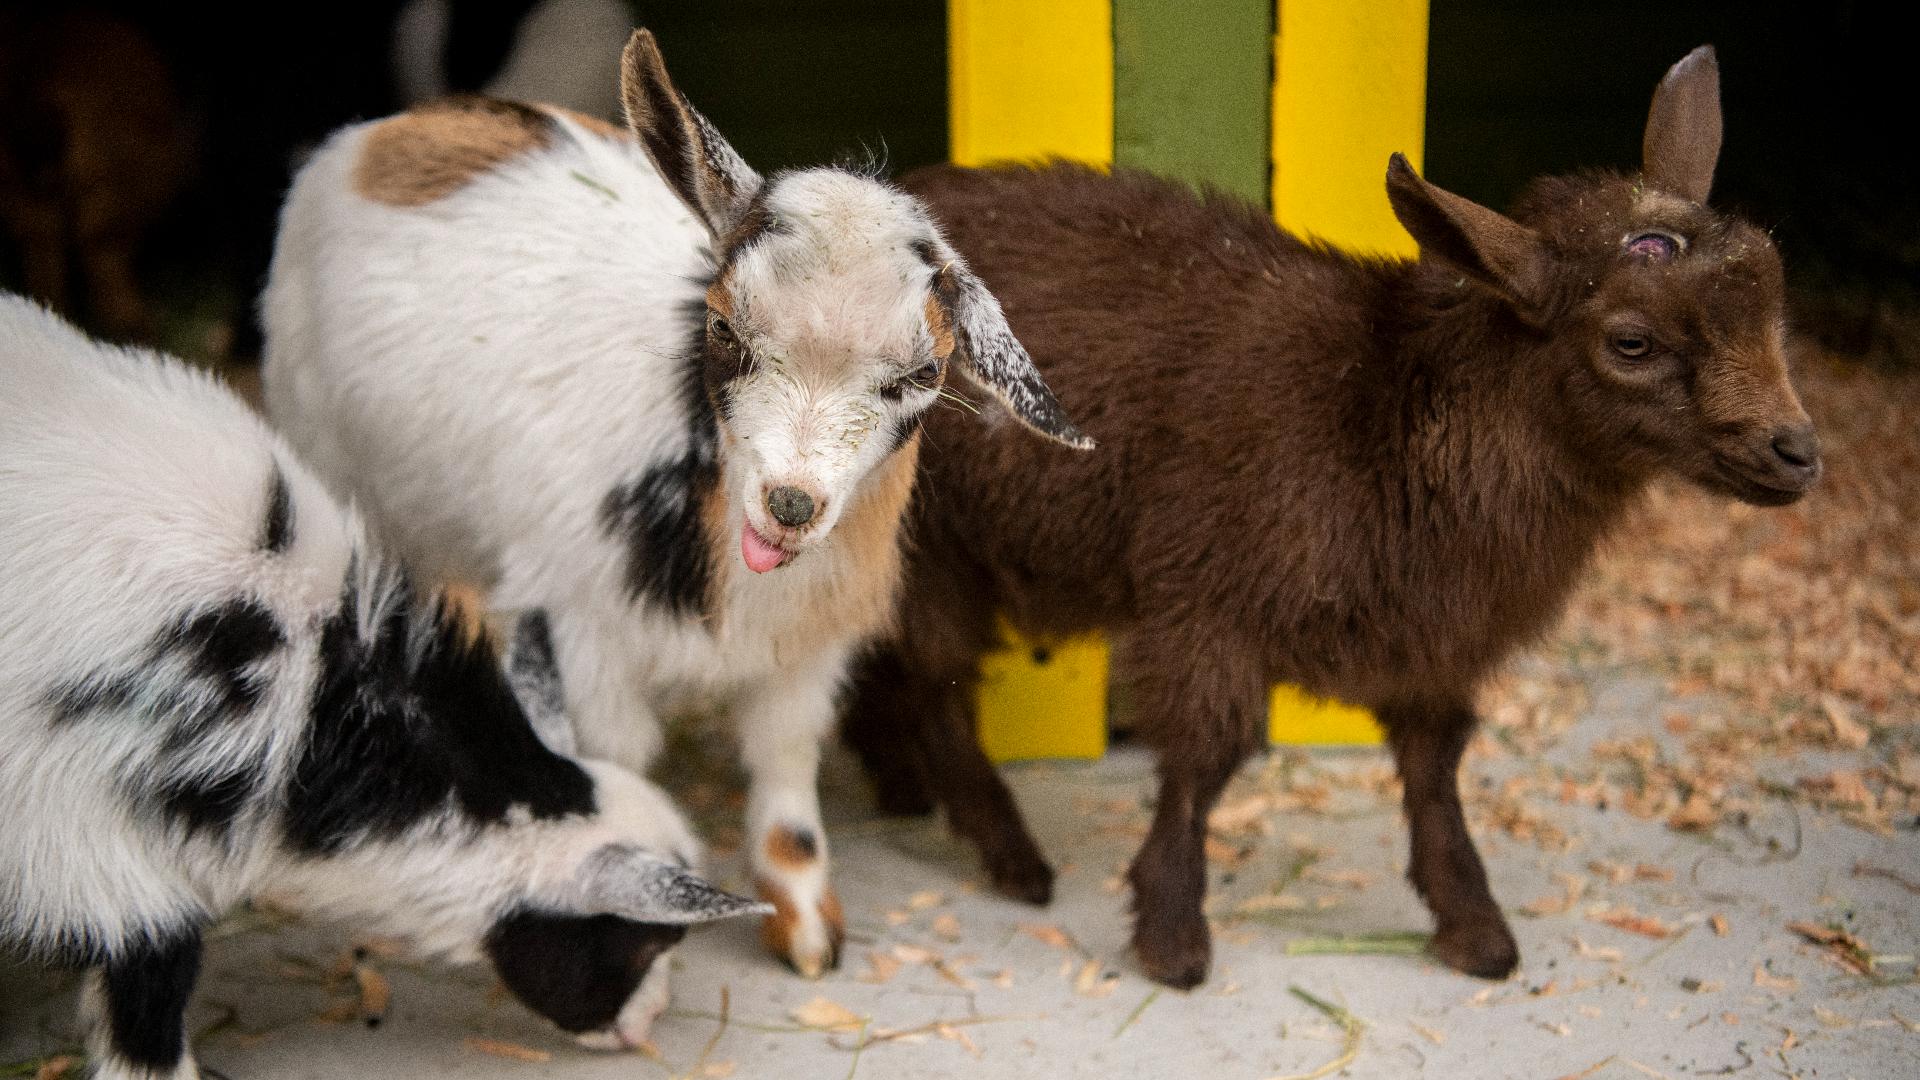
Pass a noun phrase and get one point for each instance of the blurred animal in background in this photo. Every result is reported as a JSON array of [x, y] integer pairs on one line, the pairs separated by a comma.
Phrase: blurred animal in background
[[619, 375], [212, 688], [93, 147], [1375, 479], [558, 52]]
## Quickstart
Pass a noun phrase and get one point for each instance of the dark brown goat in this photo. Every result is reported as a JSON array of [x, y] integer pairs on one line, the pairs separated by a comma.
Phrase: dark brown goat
[[1376, 479]]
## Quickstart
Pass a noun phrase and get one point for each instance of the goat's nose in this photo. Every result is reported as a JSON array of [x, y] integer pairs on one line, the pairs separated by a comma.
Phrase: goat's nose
[[790, 506], [1797, 446]]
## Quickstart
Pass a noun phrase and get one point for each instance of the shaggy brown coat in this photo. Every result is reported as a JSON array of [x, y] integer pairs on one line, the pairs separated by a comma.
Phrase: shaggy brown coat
[[1375, 479]]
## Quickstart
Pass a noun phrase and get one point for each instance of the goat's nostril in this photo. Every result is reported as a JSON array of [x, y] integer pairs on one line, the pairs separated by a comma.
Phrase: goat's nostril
[[1798, 447], [790, 506]]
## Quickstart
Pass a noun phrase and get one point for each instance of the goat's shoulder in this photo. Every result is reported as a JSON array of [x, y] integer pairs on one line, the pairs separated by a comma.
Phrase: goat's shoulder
[[431, 151]]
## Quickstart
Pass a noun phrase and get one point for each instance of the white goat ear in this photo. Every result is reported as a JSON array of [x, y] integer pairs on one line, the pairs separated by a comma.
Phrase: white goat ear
[[699, 165], [623, 880], [993, 358], [534, 675]]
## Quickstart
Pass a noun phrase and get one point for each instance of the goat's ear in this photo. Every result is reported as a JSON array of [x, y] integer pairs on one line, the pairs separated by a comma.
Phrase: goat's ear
[[1682, 143], [989, 353], [699, 165], [1488, 246], [534, 675], [623, 880]]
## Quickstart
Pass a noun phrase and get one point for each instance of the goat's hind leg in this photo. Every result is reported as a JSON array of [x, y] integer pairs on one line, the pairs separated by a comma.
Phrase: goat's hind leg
[[876, 726], [136, 1006], [1470, 935]]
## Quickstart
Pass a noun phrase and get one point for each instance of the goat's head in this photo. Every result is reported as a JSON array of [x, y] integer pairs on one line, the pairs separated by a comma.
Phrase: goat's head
[[586, 946], [1669, 316], [833, 319]]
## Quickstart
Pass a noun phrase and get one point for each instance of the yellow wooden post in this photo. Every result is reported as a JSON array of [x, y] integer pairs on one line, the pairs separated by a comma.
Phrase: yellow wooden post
[[1030, 80], [1350, 88], [1026, 81]]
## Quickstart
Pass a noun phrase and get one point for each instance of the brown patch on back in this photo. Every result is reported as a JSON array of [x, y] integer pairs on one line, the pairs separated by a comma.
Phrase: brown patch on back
[[791, 849], [941, 328], [428, 153], [609, 131]]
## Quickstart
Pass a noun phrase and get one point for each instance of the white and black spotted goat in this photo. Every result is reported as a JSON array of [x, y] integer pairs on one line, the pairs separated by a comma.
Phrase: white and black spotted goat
[[500, 327], [211, 688]]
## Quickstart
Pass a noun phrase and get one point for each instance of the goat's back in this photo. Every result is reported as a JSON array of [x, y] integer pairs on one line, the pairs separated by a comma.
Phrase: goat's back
[[1202, 347]]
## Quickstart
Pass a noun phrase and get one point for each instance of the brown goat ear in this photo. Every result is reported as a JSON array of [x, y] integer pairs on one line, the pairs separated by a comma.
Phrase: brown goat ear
[[695, 161], [1682, 143], [1488, 246], [992, 357]]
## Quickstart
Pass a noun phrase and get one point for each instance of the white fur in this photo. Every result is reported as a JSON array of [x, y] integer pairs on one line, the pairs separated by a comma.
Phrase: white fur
[[133, 489], [482, 371]]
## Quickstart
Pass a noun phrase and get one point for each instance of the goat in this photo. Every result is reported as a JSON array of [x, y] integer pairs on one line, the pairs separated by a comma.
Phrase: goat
[[212, 688], [502, 329], [1377, 479]]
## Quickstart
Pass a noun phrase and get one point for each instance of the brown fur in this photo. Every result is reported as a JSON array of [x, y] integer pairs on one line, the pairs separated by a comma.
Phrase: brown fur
[[610, 132], [776, 932], [1374, 479], [791, 850], [941, 327], [93, 148], [428, 153]]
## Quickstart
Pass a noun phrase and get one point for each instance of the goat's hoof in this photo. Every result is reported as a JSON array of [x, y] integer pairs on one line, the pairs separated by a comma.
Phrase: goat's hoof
[[1028, 879], [809, 938], [1485, 950], [1180, 959]]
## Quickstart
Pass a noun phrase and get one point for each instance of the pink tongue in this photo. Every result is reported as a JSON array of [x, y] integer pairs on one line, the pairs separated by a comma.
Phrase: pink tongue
[[760, 555]]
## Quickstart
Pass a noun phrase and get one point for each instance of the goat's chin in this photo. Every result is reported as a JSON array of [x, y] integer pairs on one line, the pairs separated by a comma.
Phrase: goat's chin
[[1725, 479]]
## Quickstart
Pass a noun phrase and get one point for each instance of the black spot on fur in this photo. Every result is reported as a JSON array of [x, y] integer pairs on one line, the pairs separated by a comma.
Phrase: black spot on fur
[[576, 970], [72, 700], [415, 719], [660, 515], [223, 645], [924, 251], [805, 844], [534, 669], [276, 535], [207, 804], [905, 430], [147, 987]]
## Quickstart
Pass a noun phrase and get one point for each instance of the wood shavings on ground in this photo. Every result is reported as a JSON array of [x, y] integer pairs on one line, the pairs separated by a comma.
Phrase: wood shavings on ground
[[1624, 918], [1350, 1025], [825, 1014], [1837, 945], [510, 1050]]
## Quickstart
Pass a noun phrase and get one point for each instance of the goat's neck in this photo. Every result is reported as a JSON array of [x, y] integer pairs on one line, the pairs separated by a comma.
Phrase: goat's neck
[[1491, 461]]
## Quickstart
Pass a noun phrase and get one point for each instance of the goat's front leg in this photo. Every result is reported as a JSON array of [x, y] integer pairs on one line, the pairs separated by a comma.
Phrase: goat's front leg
[[136, 1010], [1470, 935], [781, 723], [1200, 708]]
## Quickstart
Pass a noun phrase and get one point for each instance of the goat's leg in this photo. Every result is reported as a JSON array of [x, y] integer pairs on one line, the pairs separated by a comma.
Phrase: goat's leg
[[781, 724], [1203, 722], [604, 694], [1469, 933], [136, 1006], [877, 726], [980, 807]]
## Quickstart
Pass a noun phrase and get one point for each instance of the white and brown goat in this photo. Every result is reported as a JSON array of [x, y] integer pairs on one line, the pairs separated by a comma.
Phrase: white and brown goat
[[501, 329]]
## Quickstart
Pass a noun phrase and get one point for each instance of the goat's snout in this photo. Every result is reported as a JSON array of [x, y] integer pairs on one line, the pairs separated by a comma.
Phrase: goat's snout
[[1798, 448], [791, 506]]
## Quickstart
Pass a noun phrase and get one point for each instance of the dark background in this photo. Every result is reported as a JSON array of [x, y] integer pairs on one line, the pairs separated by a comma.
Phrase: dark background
[[1816, 117]]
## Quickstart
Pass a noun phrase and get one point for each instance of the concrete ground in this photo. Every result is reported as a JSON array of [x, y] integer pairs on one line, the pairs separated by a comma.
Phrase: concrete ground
[[1649, 951]]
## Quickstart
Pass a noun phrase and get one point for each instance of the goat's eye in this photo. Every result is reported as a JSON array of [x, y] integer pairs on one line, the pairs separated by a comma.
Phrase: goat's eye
[[922, 378], [721, 332], [1631, 344], [1653, 247]]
